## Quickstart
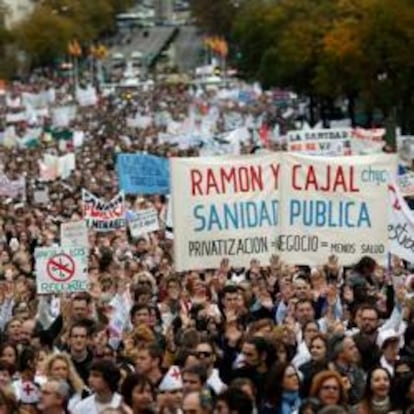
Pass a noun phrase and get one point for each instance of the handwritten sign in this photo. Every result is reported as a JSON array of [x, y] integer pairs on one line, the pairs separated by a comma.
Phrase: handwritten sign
[[401, 226], [146, 221], [61, 269], [74, 233], [103, 215], [406, 184], [143, 174]]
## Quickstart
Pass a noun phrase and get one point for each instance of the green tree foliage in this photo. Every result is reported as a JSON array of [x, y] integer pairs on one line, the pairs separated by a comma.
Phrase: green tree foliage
[[44, 35], [360, 49], [215, 16], [54, 23]]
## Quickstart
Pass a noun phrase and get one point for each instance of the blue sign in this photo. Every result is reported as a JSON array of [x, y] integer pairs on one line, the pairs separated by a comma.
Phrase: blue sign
[[143, 174]]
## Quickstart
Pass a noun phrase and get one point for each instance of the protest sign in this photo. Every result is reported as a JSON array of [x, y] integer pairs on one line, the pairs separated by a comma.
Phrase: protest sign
[[74, 234], [169, 224], [405, 148], [335, 206], [224, 207], [303, 208], [401, 226], [62, 116], [328, 142], [140, 121], [11, 188], [87, 96], [103, 215], [41, 195], [322, 147], [145, 222], [61, 269], [406, 184], [15, 117], [367, 141], [66, 164], [143, 174], [335, 134]]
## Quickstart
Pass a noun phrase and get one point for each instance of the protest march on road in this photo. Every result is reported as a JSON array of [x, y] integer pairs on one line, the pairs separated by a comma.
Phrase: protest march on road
[[197, 249]]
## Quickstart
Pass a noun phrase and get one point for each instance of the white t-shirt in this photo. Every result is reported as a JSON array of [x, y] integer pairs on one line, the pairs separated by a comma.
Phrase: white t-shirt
[[91, 406]]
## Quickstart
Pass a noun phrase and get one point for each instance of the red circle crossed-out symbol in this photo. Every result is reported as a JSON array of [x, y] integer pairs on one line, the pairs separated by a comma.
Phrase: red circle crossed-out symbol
[[60, 267]]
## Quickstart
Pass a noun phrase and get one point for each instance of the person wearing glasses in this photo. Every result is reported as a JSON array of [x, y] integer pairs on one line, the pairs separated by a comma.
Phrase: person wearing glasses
[[205, 353], [328, 387], [281, 390]]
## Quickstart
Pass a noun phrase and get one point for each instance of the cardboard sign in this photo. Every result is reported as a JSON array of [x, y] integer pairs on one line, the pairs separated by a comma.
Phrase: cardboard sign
[[61, 269], [146, 221], [303, 208], [74, 233], [143, 174], [103, 215]]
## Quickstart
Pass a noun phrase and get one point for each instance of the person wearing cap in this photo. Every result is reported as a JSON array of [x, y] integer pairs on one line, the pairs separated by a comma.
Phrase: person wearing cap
[[54, 396], [170, 392], [389, 343], [104, 379]]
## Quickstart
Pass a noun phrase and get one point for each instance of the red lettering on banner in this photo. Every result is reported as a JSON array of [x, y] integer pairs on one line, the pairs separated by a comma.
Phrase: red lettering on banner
[[311, 179], [196, 179], [241, 179], [275, 171], [353, 187], [211, 183], [334, 180], [294, 184]]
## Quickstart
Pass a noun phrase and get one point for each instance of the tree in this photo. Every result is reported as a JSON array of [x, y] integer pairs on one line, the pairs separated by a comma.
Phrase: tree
[[215, 16], [328, 49], [44, 35]]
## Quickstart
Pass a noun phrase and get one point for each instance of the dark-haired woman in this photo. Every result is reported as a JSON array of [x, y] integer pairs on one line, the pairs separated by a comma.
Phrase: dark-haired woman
[[138, 394]]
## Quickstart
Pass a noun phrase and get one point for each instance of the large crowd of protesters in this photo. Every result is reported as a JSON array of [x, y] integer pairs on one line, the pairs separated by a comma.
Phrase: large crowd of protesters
[[273, 338]]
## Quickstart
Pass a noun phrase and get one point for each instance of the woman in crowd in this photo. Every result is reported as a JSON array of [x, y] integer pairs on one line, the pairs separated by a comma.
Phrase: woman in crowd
[[138, 394], [9, 354], [377, 393], [60, 366], [328, 387], [281, 390], [303, 355], [318, 362]]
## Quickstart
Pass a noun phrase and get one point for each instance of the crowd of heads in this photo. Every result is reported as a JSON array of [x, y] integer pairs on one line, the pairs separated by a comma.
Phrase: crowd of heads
[[269, 338]]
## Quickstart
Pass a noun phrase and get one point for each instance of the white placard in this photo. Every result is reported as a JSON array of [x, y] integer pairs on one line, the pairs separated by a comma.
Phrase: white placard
[[74, 233], [61, 269], [146, 221]]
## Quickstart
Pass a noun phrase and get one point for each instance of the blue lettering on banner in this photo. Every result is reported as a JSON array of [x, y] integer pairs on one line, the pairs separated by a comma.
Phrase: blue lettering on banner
[[371, 175], [322, 213], [236, 216], [143, 174]]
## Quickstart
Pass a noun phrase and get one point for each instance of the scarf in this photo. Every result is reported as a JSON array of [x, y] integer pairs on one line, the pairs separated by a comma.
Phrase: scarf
[[290, 402], [381, 406]]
